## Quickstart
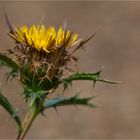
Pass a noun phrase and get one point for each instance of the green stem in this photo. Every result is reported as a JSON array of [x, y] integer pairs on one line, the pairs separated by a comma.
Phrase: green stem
[[29, 118]]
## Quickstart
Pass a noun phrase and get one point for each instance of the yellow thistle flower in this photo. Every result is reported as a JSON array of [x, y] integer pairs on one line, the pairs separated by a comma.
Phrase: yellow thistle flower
[[42, 38]]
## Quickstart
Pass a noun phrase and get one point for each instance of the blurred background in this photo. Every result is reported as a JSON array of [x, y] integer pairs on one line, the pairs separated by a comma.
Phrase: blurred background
[[116, 47]]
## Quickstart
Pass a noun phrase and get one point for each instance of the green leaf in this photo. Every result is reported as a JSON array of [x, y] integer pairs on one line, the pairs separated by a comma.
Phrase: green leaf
[[10, 109], [6, 61], [75, 100], [86, 76]]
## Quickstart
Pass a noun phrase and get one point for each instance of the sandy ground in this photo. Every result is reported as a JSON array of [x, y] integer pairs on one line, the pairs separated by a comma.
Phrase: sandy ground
[[116, 46]]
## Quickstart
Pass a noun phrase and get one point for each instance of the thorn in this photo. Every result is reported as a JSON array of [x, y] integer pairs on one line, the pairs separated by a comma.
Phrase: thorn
[[76, 107], [43, 114], [56, 110], [94, 82], [101, 69], [8, 23], [83, 42], [112, 82]]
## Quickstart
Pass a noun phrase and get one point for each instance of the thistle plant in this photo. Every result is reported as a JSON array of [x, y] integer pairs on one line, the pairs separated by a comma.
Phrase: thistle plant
[[40, 60]]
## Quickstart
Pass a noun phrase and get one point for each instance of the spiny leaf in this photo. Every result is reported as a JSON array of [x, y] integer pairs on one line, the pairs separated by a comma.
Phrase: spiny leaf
[[86, 76], [75, 100], [10, 109], [6, 61]]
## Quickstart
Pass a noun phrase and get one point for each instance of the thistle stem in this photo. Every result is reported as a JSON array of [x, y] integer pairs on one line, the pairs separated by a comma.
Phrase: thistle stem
[[27, 122]]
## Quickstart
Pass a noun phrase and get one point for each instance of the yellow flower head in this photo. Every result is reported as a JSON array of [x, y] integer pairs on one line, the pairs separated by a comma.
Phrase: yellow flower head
[[42, 38]]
